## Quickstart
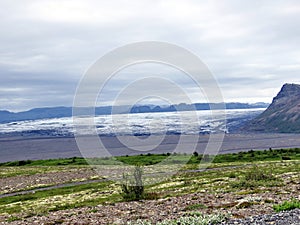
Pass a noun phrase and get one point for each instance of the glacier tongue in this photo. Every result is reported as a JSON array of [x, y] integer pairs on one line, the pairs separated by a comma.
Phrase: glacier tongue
[[138, 124]]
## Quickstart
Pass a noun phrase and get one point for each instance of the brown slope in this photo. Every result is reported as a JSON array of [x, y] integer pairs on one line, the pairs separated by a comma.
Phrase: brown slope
[[282, 116]]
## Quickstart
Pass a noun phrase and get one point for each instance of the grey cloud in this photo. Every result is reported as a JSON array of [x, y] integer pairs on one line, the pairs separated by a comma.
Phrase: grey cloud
[[46, 46]]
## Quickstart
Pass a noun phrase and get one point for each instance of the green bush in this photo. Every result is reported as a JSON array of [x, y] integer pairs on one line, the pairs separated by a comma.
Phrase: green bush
[[256, 177], [285, 157], [259, 174], [232, 175], [287, 205], [195, 207], [133, 189]]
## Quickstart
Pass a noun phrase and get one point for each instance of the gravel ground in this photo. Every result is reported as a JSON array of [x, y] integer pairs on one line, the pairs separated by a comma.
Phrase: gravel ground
[[283, 218], [17, 183], [256, 207], [171, 208], [37, 147]]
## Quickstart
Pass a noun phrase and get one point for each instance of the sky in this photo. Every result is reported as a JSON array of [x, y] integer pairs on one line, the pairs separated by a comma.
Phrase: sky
[[46, 46]]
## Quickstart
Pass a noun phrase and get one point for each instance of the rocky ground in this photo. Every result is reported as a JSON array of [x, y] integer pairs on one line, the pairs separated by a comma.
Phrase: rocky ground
[[242, 207], [16, 183], [284, 218], [234, 206]]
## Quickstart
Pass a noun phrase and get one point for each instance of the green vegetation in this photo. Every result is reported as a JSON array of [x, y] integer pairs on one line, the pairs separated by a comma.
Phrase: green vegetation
[[167, 158], [11, 171], [145, 160], [287, 205], [195, 206], [59, 198], [253, 156], [241, 174], [133, 189], [75, 161], [108, 192], [257, 177], [256, 174]]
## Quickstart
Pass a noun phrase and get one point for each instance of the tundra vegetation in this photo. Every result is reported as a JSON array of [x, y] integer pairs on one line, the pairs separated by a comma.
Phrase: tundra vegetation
[[245, 176]]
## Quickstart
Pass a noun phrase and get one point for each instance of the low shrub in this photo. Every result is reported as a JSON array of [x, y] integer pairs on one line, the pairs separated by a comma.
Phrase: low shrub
[[256, 177], [285, 157], [259, 174], [232, 175], [195, 207], [287, 205], [133, 189]]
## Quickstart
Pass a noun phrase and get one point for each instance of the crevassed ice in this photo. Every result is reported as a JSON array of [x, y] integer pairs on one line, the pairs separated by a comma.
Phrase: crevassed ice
[[137, 124]]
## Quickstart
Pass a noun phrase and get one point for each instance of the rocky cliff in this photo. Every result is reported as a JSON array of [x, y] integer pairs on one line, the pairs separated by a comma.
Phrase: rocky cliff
[[282, 116]]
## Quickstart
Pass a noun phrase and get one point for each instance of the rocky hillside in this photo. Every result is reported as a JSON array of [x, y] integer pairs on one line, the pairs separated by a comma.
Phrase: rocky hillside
[[283, 115]]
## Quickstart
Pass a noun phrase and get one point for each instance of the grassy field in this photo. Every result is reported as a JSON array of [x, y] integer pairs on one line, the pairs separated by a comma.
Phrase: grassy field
[[241, 174], [151, 159]]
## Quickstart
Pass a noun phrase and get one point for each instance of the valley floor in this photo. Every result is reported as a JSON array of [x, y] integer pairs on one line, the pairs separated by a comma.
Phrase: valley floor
[[13, 148], [229, 190]]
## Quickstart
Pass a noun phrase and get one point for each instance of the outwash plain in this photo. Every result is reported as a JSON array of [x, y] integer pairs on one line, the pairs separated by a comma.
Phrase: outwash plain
[[238, 186]]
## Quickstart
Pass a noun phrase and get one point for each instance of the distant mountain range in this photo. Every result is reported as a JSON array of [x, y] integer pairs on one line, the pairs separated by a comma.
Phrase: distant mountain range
[[59, 112], [282, 116]]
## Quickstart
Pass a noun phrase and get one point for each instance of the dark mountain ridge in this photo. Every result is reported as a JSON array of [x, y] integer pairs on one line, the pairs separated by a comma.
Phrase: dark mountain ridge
[[59, 112], [282, 116]]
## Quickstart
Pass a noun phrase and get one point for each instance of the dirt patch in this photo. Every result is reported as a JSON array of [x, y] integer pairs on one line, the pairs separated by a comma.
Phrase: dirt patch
[[17, 183], [232, 204]]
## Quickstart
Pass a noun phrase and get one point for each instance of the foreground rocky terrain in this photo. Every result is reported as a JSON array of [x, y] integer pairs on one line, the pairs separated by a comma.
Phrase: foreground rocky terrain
[[219, 191], [289, 217], [254, 205]]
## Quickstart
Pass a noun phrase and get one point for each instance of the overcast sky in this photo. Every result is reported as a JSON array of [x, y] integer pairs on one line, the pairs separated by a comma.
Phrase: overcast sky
[[251, 47]]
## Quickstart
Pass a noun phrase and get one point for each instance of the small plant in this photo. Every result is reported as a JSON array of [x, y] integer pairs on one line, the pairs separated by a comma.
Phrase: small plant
[[93, 210], [287, 205], [133, 190], [151, 196], [269, 201], [206, 158], [13, 218], [256, 177], [232, 175], [195, 207], [285, 157], [256, 174]]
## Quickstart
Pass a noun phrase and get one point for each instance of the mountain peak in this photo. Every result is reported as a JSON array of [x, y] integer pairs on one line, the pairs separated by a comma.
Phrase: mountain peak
[[283, 115], [289, 90]]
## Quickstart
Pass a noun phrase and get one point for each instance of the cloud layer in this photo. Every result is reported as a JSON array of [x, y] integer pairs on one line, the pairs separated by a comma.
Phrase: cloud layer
[[251, 47]]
